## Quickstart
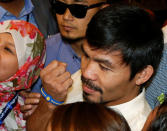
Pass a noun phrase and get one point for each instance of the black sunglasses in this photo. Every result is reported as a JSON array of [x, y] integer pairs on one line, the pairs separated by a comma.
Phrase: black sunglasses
[[77, 10]]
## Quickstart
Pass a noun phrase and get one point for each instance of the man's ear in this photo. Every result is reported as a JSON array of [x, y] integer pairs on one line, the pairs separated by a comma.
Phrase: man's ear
[[144, 75]]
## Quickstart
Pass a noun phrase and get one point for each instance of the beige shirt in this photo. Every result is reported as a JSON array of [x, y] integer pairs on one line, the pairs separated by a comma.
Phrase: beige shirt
[[75, 91], [134, 111]]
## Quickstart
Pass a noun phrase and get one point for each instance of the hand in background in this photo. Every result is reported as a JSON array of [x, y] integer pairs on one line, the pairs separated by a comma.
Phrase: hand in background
[[30, 104]]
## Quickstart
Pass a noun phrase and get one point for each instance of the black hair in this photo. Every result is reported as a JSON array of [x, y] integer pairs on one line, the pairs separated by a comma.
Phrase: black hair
[[160, 122], [128, 29]]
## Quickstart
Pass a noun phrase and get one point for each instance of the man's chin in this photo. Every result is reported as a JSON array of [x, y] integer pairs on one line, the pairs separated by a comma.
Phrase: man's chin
[[87, 98], [71, 39]]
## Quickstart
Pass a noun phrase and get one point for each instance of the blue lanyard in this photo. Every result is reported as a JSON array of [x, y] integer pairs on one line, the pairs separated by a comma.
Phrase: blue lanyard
[[7, 109]]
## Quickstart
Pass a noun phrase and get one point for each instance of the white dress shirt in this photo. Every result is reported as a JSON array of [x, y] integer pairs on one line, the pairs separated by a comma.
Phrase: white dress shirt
[[135, 111]]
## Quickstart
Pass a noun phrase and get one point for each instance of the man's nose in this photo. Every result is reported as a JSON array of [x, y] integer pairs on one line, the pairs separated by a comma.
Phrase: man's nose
[[90, 71], [67, 15]]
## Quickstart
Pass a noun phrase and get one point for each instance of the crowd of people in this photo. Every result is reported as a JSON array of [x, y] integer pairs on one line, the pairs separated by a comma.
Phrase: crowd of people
[[70, 65]]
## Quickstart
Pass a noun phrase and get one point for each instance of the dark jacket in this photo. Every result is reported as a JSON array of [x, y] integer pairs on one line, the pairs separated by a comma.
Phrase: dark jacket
[[45, 20]]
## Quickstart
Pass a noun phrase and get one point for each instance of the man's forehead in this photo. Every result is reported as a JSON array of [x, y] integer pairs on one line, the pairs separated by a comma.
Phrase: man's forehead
[[86, 47], [101, 55]]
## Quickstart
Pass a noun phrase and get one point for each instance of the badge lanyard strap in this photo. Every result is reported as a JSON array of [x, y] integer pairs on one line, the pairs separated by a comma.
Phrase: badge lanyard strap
[[7, 109]]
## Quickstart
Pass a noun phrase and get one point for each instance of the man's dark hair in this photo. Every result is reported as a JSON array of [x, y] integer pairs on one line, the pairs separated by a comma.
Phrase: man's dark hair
[[160, 124], [128, 29], [160, 121]]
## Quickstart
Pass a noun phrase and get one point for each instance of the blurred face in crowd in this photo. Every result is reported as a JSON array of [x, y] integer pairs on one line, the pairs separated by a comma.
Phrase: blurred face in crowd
[[8, 57], [105, 78], [72, 27]]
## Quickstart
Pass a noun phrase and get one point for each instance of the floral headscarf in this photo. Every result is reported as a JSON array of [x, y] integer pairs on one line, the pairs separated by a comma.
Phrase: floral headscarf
[[30, 50]]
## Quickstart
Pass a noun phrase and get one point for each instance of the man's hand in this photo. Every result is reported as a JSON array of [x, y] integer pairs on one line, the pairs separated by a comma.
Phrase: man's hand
[[56, 80], [30, 104]]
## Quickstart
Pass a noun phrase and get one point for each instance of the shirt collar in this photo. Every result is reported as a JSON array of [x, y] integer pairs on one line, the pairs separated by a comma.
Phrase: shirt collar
[[135, 111], [73, 52], [138, 101], [2, 12], [27, 8]]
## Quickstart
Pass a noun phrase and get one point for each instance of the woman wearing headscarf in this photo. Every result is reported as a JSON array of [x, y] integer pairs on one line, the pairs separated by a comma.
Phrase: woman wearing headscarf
[[22, 55]]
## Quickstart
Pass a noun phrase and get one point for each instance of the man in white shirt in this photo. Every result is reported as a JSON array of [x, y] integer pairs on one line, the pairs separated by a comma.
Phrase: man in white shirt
[[121, 53]]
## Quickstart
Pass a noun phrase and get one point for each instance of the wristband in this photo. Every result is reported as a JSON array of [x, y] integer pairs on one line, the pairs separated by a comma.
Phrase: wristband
[[49, 98]]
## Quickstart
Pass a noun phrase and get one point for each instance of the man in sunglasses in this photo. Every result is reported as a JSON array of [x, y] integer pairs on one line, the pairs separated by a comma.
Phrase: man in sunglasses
[[72, 17], [121, 53]]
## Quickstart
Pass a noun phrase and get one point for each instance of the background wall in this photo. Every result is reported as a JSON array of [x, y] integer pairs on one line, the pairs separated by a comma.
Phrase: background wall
[[158, 7]]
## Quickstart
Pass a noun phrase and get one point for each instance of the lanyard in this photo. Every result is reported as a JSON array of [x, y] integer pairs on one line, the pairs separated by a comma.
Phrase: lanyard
[[28, 16], [7, 109]]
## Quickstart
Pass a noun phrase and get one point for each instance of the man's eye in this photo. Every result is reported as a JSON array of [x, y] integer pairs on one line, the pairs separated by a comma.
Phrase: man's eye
[[8, 49], [104, 68]]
